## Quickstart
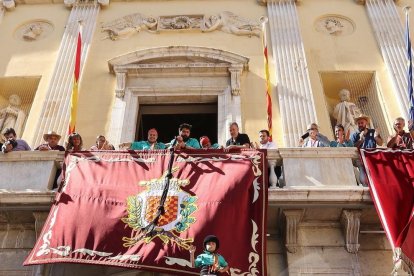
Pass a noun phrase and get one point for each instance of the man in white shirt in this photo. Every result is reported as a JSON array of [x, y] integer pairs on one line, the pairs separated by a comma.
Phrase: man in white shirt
[[264, 143]]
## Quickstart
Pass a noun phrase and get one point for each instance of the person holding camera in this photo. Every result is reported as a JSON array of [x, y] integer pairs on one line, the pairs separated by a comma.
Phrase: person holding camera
[[11, 143], [305, 137], [401, 139]]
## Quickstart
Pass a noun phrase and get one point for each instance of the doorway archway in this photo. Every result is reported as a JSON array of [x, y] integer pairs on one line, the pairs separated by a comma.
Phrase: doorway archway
[[175, 75]]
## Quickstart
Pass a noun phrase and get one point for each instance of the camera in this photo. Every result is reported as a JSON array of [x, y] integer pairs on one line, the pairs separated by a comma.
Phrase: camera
[[11, 142]]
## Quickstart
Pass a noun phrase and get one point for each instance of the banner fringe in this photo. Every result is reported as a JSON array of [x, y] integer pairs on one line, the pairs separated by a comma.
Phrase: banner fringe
[[401, 261]]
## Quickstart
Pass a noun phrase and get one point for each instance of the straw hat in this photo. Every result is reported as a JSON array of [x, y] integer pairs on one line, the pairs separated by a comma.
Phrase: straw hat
[[362, 117], [51, 133]]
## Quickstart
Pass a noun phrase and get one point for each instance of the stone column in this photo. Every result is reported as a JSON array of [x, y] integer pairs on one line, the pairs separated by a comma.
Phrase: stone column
[[40, 219], [389, 33], [56, 108], [297, 108]]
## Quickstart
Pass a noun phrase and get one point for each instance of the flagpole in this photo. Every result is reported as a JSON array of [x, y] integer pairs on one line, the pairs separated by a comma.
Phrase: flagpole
[[407, 10], [263, 21]]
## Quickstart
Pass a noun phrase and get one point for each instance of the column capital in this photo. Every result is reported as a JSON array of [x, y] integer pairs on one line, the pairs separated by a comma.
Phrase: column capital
[[265, 2], [363, 2], [72, 3]]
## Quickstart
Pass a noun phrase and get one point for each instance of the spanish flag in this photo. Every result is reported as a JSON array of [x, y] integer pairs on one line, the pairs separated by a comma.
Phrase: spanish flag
[[267, 76], [75, 92]]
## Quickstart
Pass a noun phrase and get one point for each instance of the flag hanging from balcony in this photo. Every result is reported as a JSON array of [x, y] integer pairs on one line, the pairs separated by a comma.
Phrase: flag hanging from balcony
[[391, 178], [410, 63], [108, 199], [75, 92], [267, 76]]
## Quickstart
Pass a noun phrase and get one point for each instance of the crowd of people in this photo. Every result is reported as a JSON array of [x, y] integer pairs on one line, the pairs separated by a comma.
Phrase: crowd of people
[[362, 137]]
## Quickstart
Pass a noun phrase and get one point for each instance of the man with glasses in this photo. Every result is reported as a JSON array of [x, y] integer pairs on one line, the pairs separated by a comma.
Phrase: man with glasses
[[401, 139], [320, 137]]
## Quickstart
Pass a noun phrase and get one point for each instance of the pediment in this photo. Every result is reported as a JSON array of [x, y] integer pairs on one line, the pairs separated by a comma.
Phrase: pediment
[[177, 57]]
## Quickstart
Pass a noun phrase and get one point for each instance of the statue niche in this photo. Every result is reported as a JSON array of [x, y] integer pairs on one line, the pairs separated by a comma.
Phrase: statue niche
[[12, 115]]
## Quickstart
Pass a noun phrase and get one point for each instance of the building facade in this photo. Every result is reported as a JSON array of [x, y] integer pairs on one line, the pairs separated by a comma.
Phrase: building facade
[[145, 63]]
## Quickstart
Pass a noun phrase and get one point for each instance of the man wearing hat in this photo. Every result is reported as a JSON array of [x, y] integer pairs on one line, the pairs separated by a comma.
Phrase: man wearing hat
[[365, 138], [210, 261], [52, 139]]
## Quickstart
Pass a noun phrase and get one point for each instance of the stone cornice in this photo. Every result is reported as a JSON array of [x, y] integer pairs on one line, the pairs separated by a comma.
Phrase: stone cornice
[[124, 61]]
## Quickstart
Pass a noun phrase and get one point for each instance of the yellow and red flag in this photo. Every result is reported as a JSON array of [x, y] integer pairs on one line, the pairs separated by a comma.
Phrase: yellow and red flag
[[267, 76], [75, 92]]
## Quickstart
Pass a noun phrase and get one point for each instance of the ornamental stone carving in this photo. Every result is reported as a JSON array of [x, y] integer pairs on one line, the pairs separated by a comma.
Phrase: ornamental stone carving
[[233, 24], [226, 21], [34, 30], [128, 25], [334, 25], [71, 3], [8, 4], [235, 74], [350, 220], [120, 84], [293, 218], [180, 22]]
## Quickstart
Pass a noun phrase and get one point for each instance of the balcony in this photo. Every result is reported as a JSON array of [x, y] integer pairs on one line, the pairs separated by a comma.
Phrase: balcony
[[315, 220]]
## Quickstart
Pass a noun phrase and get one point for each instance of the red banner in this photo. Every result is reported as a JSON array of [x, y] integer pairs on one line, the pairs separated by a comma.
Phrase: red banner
[[102, 214], [391, 175]]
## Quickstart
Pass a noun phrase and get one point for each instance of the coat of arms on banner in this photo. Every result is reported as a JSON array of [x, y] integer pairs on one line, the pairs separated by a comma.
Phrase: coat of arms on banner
[[142, 209]]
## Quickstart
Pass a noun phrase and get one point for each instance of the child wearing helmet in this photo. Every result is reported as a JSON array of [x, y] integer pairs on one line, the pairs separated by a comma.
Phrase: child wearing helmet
[[210, 261]]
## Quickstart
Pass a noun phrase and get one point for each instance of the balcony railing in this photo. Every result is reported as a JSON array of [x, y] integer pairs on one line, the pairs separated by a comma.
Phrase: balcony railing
[[309, 174]]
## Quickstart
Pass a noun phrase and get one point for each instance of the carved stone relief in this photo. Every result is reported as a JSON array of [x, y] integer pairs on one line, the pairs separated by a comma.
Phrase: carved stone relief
[[8, 4], [34, 30], [180, 22], [334, 25], [225, 21]]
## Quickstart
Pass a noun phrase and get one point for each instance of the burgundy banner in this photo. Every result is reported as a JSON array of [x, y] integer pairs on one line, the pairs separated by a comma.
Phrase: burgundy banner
[[391, 175], [110, 197]]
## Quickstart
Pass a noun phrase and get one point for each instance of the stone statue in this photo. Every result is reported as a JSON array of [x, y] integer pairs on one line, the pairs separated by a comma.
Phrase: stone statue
[[12, 115], [233, 24], [33, 32], [128, 25], [345, 111]]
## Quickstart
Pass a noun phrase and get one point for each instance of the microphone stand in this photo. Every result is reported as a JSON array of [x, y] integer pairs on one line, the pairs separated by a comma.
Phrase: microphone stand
[[161, 209]]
